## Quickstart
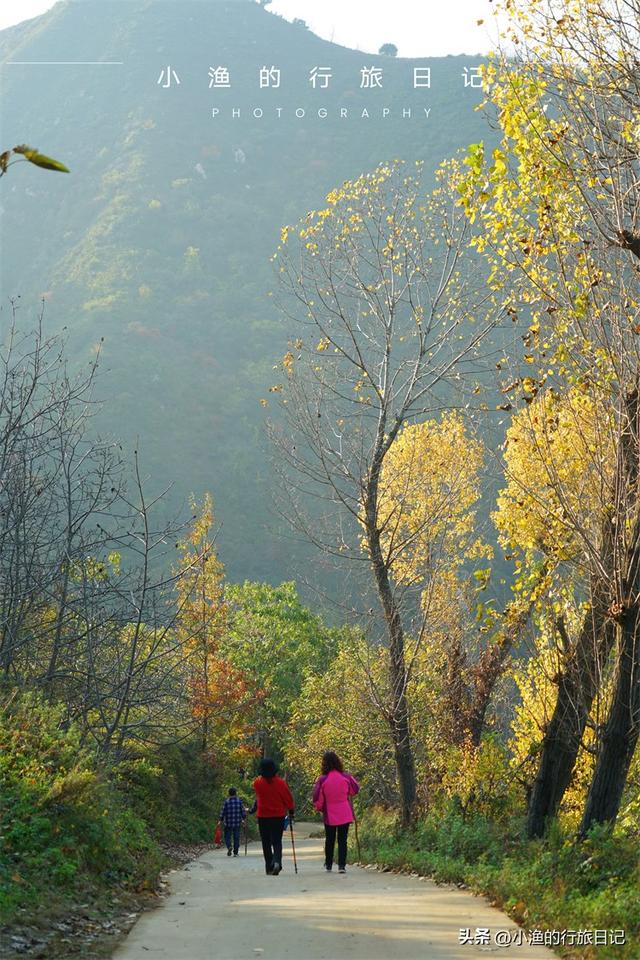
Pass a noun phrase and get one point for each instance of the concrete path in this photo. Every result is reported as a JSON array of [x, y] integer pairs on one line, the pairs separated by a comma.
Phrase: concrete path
[[227, 908]]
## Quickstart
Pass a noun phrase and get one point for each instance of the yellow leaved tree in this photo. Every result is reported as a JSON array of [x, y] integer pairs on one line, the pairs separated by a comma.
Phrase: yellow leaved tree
[[429, 490], [557, 209]]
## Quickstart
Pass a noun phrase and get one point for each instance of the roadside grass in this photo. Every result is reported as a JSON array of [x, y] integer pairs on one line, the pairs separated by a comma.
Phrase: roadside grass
[[554, 884]]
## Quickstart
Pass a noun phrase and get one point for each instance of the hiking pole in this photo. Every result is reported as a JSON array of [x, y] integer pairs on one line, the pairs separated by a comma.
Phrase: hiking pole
[[293, 845], [246, 831], [355, 824]]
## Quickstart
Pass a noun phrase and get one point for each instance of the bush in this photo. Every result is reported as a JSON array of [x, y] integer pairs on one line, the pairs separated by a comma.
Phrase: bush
[[62, 822], [478, 779], [175, 790]]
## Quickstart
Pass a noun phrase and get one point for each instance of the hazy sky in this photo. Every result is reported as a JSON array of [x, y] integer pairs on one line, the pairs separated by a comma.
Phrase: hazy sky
[[417, 27]]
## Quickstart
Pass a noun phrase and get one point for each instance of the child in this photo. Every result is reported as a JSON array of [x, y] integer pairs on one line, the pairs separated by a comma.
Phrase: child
[[231, 817]]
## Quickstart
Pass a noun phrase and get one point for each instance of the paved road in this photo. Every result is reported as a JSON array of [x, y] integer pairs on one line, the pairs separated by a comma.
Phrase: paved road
[[224, 908]]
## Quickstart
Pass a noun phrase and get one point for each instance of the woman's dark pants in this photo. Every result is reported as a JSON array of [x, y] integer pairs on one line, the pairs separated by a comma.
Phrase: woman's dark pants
[[330, 841], [271, 835]]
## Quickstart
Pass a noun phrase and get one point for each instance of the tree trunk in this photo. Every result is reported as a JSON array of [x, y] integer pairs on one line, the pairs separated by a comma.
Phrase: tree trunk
[[490, 666], [577, 687], [581, 679], [621, 730], [400, 729], [399, 711], [456, 693], [620, 735]]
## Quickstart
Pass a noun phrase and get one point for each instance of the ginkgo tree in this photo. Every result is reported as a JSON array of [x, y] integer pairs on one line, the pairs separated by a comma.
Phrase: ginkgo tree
[[555, 482], [389, 313], [429, 489]]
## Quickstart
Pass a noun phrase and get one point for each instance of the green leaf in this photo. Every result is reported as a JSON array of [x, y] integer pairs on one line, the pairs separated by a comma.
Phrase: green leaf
[[482, 576], [475, 157], [40, 159]]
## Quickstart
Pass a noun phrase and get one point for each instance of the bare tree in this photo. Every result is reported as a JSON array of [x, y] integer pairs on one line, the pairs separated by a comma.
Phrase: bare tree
[[36, 396], [88, 604], [390, 316]]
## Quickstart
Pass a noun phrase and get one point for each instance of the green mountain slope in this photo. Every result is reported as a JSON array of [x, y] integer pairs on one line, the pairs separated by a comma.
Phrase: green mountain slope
[[159, 240]]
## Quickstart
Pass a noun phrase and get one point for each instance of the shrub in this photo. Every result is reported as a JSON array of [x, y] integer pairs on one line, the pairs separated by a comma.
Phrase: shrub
[[175, 790], [62, 822]]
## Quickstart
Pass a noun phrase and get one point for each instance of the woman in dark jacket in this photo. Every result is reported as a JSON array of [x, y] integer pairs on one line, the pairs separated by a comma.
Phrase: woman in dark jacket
[[273, 802]]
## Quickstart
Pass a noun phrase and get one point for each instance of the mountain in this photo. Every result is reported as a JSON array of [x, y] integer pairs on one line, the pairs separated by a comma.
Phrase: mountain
[[159, 241]]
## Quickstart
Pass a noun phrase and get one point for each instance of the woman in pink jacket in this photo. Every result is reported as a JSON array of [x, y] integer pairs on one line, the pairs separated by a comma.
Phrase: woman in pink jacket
[[331, 793]]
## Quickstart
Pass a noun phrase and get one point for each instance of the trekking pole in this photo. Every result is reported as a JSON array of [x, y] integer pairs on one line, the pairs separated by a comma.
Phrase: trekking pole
[[246, 831], [355, 824], [293, 845]]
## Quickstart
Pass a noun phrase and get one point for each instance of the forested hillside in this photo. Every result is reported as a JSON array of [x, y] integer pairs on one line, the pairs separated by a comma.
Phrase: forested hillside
[[444, 347], [160, 240]]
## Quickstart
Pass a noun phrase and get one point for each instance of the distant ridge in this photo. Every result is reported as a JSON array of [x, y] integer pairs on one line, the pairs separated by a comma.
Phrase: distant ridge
[[160, 239]]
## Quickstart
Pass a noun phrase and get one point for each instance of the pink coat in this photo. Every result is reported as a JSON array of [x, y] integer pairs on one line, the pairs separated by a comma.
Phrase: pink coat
[[331, 794]]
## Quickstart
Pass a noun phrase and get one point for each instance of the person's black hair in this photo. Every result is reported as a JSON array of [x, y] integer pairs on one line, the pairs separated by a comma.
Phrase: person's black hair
[[268, 768], [232, 791], [331, 761]]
